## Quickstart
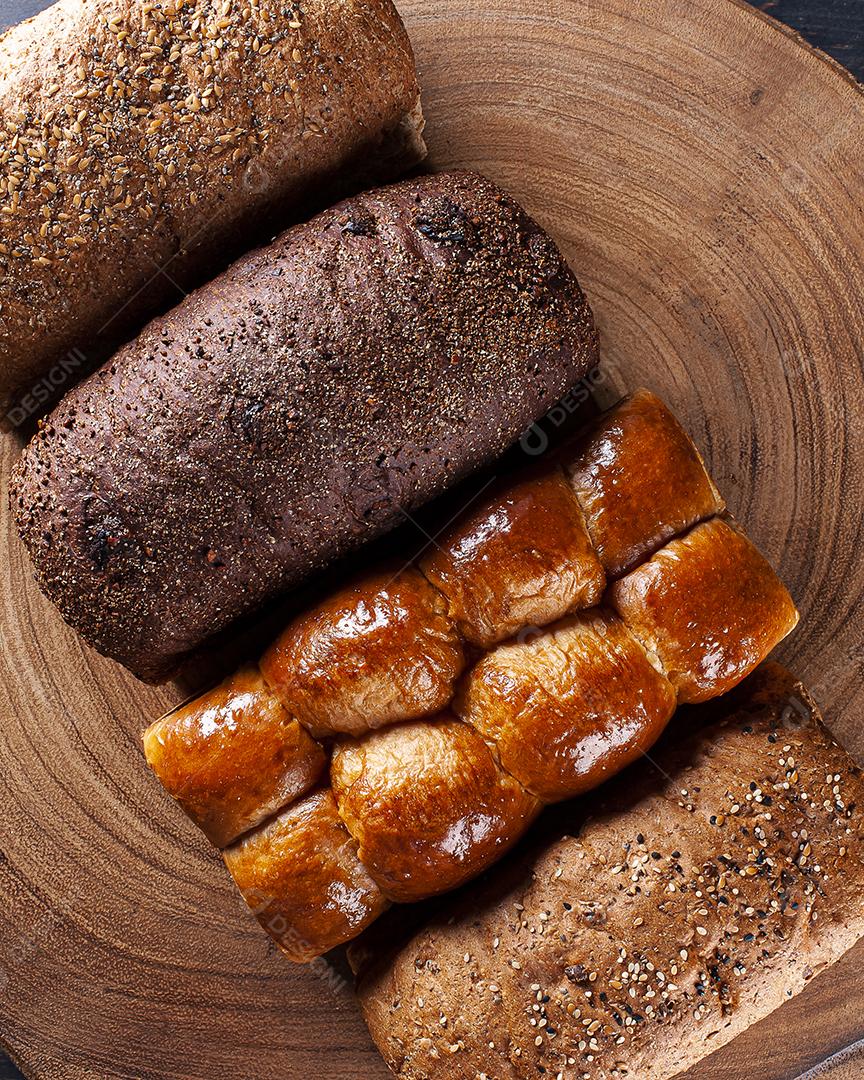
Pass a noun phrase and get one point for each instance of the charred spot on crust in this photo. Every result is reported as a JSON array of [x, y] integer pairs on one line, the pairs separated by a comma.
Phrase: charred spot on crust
[[212, 557], [577, 973], [99, 547], [360, 225], [245, 419], [445, 223], [593, 914], [101, 539]]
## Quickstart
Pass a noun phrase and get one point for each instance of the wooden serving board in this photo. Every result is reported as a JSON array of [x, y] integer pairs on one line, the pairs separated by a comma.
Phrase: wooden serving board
[[702, 169]]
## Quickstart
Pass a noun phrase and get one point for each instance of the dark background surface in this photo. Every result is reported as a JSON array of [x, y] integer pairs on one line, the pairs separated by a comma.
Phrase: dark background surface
[[837, 26]]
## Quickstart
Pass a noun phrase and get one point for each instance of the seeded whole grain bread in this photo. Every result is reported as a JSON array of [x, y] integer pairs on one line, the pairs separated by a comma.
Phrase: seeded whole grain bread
[[699, 895], [137, 135], [294, 408]]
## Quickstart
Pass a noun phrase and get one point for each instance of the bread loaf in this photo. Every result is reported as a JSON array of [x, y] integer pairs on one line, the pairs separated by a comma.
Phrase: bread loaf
[[660, 920], [431, 800], [142, 145], [294, 408]]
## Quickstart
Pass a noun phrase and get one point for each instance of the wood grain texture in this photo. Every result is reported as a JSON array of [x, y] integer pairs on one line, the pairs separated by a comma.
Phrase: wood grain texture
[[702, 170]]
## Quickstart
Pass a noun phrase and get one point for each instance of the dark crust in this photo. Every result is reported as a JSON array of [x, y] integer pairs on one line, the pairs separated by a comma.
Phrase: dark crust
[[712, 884], [288, 411]]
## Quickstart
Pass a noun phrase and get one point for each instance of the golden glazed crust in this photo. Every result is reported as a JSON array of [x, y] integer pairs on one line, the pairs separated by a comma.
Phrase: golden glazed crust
[[374, 653], [233, 757], [570, 707], [302, 879], [524, 558], [640, 481], [428, 805], [708, 607]]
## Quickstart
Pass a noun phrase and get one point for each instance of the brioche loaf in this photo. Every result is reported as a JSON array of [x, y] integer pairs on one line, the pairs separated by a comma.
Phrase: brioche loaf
[[143, 144], [699, 894], [293, 408], [431, 800]]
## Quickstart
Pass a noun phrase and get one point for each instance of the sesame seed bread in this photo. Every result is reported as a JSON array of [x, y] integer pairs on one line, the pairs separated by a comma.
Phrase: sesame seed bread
[[699, 894], [294, 408], [136, 135]]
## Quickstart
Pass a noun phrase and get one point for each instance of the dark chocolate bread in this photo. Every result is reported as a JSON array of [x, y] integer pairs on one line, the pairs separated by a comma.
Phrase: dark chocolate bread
[[293, 409]]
